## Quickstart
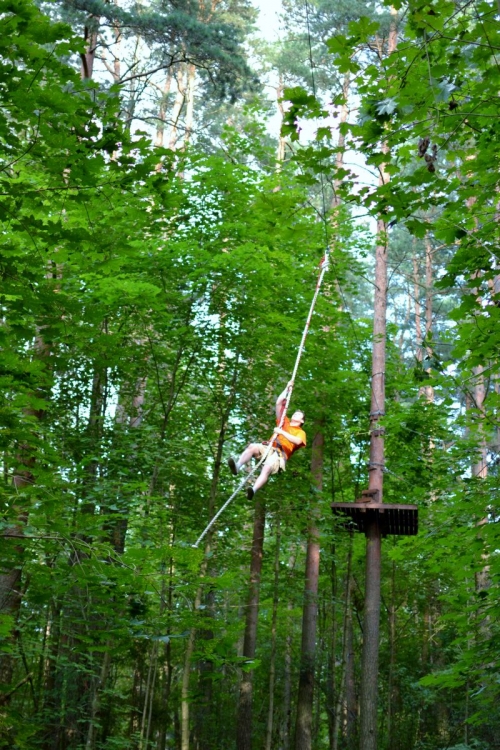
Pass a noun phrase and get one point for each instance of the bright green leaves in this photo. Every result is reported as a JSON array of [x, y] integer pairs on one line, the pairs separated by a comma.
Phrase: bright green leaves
[[304, 105], [344, 48]]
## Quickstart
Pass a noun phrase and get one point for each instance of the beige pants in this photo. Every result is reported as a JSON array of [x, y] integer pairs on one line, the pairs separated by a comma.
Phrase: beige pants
[[275, 459]]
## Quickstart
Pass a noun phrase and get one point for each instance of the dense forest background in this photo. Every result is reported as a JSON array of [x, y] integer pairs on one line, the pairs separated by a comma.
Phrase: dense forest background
[[161, 236]]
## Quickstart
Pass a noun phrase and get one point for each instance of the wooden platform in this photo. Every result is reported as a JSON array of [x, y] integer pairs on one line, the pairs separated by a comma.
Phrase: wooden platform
[[401, 520]]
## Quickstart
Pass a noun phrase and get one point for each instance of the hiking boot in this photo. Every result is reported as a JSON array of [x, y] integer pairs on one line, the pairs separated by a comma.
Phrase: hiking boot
[[232, 465], [250, 493]]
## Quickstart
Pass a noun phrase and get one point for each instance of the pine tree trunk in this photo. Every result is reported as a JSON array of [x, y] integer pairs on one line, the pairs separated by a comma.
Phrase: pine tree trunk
[[350, 684], [188, 656], [98, 687], [371, 622], [391, 737], [148, 698], [280, 153], [12, 553], [190, 91], [369, 669], [272, 660], [330, 686], [416, 299], [186, 675], [178, 104], [339, 158], [305, 697], [480, 466], [88, 57], [160, 128], [429, 281], [347, 625], [245, 703], [287, 689], [206, 723]]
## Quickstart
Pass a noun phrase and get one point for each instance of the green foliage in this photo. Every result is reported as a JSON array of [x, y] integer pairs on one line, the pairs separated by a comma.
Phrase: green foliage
[[152, 305], [424, 117]]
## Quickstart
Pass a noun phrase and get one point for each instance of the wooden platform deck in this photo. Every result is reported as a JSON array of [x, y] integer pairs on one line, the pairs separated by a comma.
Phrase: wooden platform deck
[[401, 520]]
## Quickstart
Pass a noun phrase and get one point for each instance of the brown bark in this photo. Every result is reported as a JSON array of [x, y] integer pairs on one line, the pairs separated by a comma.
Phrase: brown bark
[[10, 579], [188, 656], [178, 104], [52, 692], [127, 417], [280, 153], [133, 87], [416, 297], [480, 466], [371, 621], [332, 649], [148, 698], [351, 701], [205, 722], [339, 158], [369, 669], [115, 68], [287, 689], [94, 433], [12, 553], [185, 718], [392, 662], [305, 697], [429, 280], [88, 57], [272, 659], [245, 703], [160, 128], [347, 627], [190, 91], [95, 704]]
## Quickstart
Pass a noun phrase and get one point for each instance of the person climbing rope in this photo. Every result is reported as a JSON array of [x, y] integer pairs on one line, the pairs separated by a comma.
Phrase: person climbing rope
[[285, 441], [294, 423]]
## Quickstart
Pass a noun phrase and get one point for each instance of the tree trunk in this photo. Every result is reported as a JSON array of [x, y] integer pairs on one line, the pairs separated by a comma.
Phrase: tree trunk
[[369, 668], [148, 698], [272, 660], [188, 656], [190, 89], [303, 726], [287, 688], [128, 417], [392, 663], [99, 685], [206, 724], [88, 57], [350, 684], [330, 686], [12, 553], [245, 704], [347, 625], [185, 724], [339, 158], [416, 299], [160, 128], [178, 104], [429, 281], [280, 153]]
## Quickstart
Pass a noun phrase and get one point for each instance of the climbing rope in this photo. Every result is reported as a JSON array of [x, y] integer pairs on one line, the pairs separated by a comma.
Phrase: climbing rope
[[324, 265]]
